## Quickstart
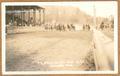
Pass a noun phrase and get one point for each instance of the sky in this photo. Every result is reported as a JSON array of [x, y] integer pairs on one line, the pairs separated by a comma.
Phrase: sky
[[103, 9]]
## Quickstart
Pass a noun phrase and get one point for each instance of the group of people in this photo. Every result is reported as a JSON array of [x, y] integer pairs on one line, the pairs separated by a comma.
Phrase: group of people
[[59, 27], [86, 27], [106, 26]]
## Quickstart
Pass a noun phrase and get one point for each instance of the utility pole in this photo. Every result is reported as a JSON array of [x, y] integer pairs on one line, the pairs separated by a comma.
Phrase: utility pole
[[94, 25], [94, 10]]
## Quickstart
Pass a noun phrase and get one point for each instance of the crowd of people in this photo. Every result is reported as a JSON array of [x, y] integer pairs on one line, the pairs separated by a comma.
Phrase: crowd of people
[[59, 27], [86, 27], [104, 26]]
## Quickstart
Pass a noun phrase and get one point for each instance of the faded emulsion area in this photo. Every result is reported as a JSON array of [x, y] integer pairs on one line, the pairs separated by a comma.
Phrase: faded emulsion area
[[57, 38]]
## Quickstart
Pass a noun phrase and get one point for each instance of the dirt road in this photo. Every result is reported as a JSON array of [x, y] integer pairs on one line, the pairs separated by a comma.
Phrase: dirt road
[[48, 51]]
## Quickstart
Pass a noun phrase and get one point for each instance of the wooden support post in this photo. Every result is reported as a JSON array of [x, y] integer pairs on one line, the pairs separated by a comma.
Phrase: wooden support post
[[22, 16], [28, 16], [30, 12], [34, 17], [40, 17], [43, 16]]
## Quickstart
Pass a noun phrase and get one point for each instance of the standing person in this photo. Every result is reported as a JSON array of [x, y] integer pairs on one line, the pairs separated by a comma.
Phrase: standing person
[[83, 27], [88, 27], [102, 26]]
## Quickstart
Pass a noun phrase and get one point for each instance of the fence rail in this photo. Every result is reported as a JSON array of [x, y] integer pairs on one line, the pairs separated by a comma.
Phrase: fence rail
[[104, 53]]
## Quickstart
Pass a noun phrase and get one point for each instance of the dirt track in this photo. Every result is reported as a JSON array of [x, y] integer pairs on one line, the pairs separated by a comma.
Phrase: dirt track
[[48, 51]]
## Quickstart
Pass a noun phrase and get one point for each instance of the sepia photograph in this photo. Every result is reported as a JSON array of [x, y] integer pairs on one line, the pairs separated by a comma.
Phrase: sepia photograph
[[60, 37]]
